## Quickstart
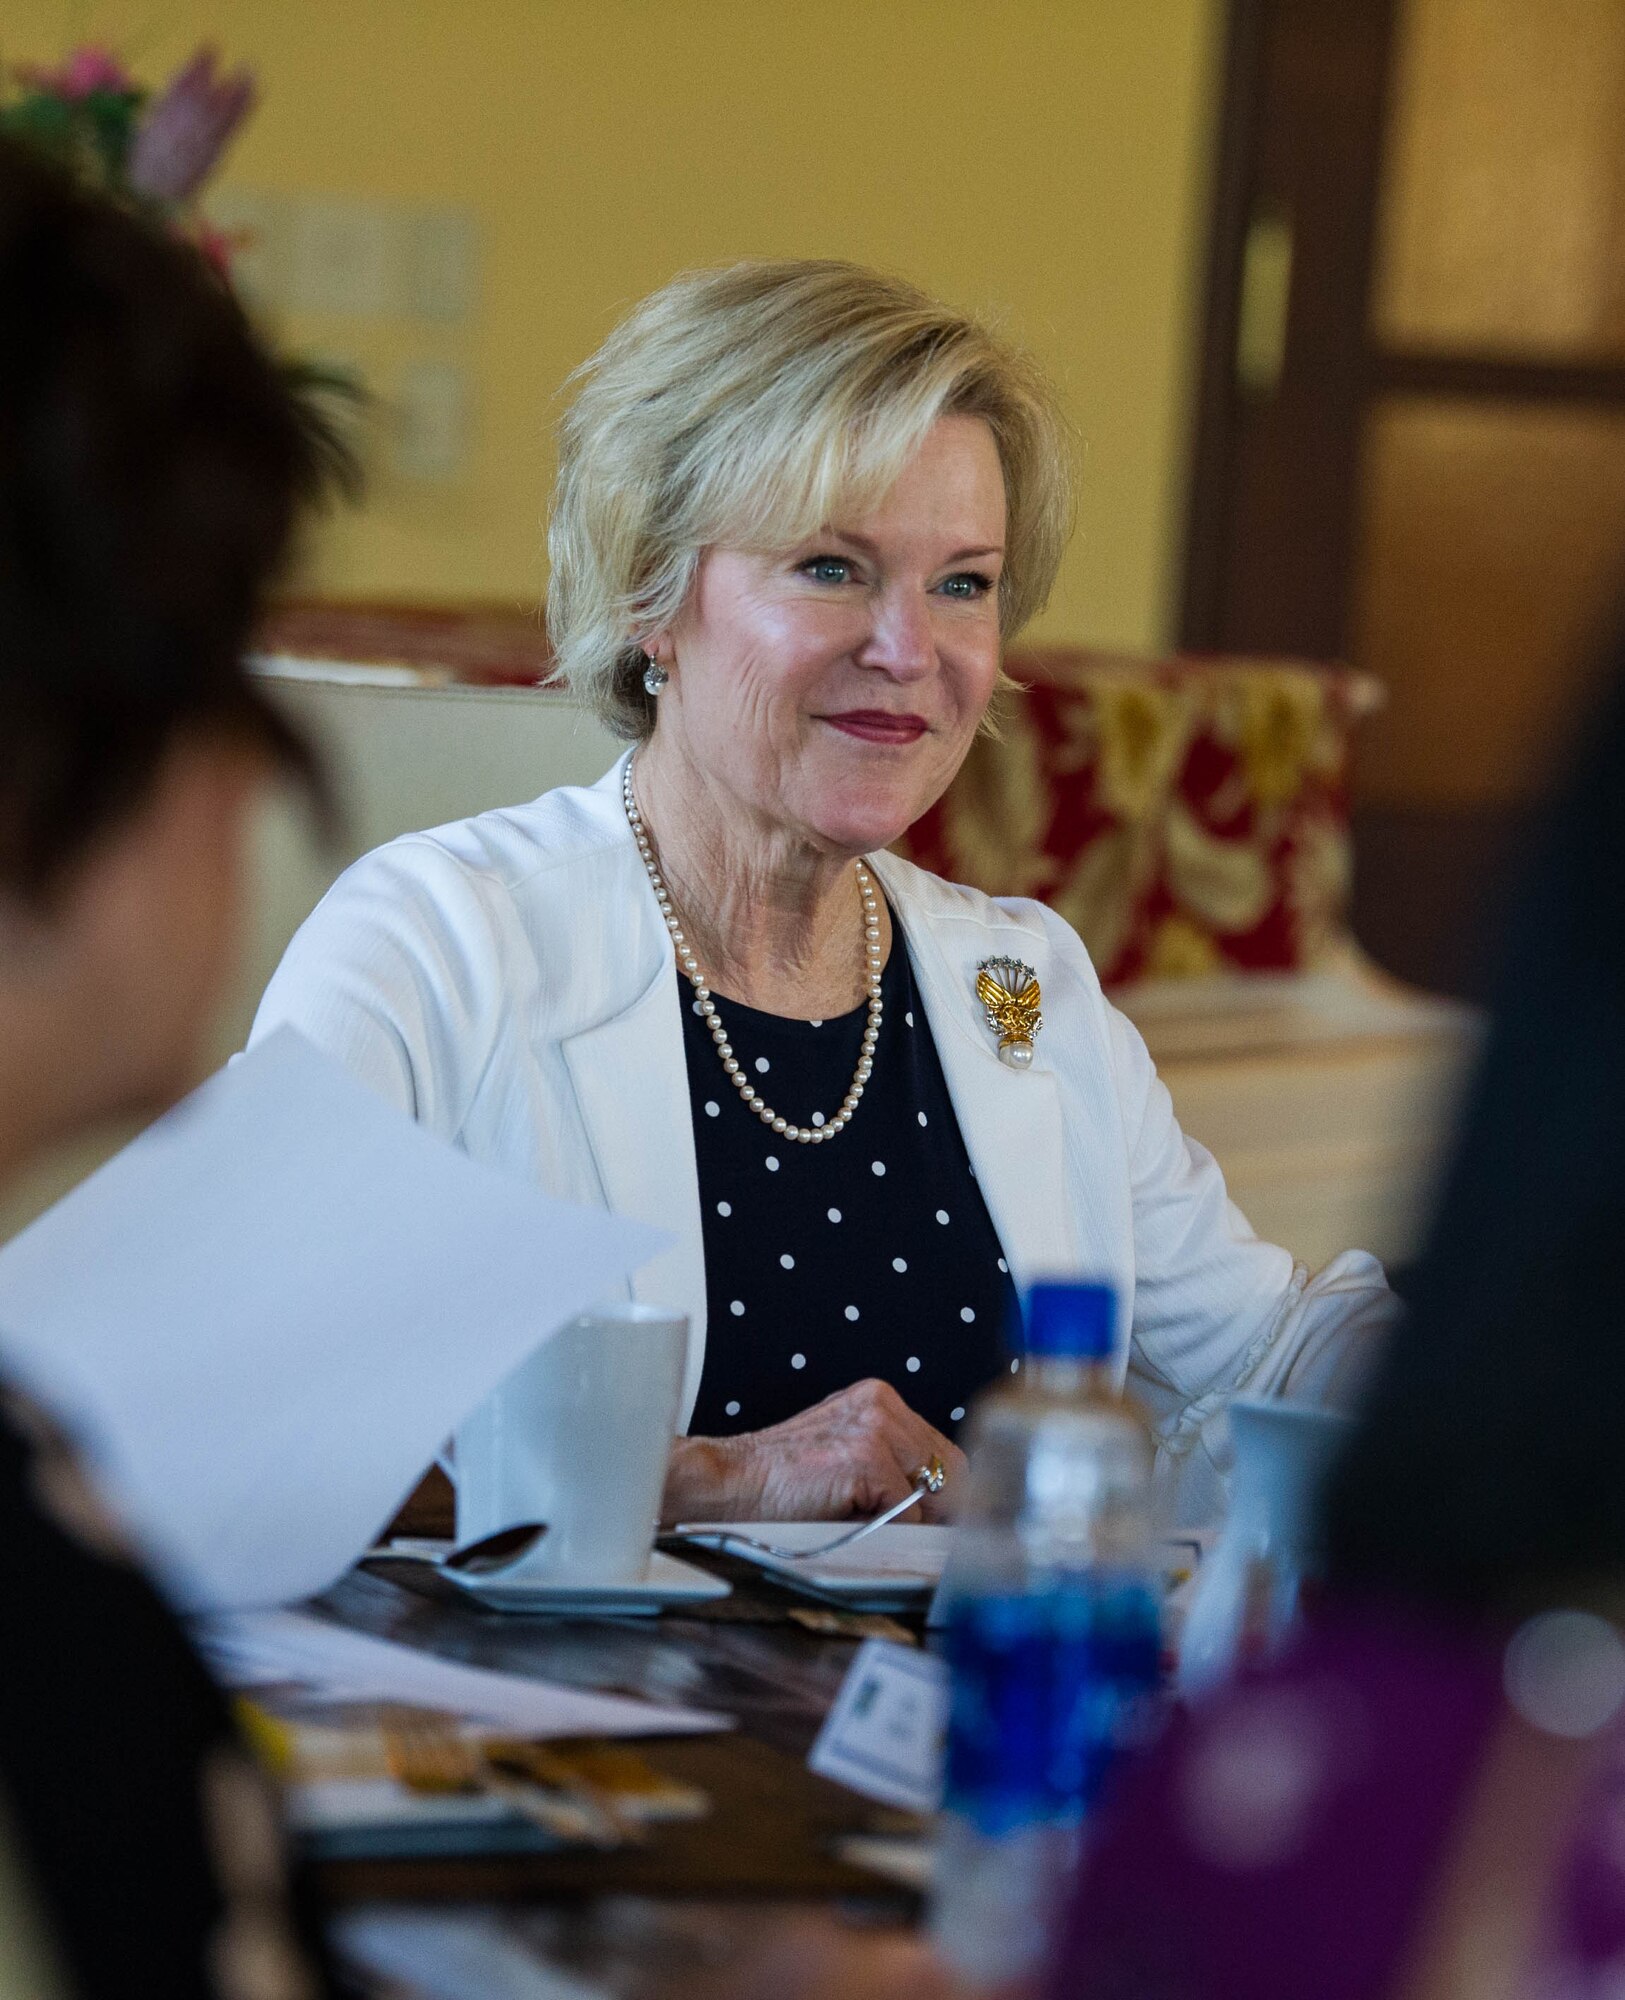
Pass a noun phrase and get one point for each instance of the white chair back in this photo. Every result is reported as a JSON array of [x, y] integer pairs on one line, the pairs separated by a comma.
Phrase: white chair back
[[403, 757]]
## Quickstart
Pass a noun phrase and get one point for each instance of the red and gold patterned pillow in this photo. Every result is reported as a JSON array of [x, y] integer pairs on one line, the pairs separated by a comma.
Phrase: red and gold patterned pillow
[[1186, 816]]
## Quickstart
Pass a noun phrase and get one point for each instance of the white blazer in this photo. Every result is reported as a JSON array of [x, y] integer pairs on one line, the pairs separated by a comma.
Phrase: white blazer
[[508, 980]]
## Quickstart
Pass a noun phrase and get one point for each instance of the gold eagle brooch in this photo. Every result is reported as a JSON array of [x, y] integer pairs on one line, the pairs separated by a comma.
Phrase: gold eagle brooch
[[1008, 991]]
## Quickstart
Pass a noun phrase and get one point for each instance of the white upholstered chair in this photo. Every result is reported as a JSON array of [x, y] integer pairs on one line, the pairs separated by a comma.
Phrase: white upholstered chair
[[1325, 1096]]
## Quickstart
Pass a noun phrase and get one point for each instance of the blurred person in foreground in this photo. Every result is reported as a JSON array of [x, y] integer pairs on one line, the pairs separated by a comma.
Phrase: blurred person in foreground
[[1425, 1794], [152, 467]]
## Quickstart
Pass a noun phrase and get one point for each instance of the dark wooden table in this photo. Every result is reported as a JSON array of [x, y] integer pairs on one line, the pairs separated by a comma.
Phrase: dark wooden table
[[643, 1919]]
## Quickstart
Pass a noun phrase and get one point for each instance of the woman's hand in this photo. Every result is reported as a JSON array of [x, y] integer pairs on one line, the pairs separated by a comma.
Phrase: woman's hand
[[853, 1454]]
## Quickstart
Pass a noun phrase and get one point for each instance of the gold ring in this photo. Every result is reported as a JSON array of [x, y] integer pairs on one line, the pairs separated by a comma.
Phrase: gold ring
[[933, 1475]]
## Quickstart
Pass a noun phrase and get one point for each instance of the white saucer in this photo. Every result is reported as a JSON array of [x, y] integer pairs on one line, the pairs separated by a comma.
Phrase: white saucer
[[667, 1584]]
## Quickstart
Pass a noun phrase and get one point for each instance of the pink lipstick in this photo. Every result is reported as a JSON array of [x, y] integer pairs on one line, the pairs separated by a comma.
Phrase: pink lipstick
[[878, 725]]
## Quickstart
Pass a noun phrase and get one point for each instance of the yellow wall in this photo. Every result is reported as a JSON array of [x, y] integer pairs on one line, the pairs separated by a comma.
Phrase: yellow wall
[[1044, 158]]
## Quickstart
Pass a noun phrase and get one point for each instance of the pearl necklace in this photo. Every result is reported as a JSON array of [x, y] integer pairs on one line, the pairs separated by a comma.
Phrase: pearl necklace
[[805, 1135]]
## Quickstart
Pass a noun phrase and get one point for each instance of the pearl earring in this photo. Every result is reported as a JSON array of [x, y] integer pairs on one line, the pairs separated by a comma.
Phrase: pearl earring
[[655, 676]]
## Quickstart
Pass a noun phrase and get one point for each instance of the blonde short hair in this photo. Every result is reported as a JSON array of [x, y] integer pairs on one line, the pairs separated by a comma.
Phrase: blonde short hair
[[743, 407]]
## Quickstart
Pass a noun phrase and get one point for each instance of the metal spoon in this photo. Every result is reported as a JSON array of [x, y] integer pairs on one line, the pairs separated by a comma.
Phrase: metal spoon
[[495, 1552], [483, 1557]]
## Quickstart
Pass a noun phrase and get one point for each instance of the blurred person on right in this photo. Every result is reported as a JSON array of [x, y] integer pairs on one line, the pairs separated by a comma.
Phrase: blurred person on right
[[1423, 1795], [1426, 1794]]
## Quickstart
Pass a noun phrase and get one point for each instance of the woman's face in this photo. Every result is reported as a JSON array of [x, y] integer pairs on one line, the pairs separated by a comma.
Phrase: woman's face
[[832, 691]]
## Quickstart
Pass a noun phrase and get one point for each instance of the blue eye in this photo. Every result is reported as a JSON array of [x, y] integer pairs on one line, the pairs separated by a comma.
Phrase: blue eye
[[967, 584], [828, 569]]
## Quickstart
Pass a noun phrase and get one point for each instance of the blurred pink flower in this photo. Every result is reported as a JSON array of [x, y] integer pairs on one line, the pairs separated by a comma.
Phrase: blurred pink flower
[[86, 71], [186, 128]]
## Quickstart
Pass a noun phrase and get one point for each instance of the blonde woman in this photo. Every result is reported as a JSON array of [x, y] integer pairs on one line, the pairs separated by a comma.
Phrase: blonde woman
[[800, 508]]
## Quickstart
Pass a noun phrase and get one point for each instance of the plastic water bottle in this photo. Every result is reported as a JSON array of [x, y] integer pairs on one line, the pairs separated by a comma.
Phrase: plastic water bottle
[[1053, 1634]]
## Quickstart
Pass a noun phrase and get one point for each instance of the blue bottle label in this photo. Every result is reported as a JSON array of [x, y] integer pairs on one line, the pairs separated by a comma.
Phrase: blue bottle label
[[1047, 1688]]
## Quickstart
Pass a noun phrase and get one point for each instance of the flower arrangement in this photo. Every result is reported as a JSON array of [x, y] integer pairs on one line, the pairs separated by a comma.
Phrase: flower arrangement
[[155, 151]]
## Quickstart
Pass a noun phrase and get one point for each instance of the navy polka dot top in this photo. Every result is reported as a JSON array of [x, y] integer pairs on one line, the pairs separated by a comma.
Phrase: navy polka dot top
[[871, 1255]]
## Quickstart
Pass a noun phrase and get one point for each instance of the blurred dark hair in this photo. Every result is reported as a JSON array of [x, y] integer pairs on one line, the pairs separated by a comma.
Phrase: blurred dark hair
[[1488, 1470], [152, 467]]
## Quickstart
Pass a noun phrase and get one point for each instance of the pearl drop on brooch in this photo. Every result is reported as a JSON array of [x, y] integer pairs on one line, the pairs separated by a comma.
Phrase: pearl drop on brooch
[[1008, 991]]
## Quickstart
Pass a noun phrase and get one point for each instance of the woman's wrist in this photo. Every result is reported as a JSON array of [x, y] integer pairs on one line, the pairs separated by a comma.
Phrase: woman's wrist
[[704, 1481]]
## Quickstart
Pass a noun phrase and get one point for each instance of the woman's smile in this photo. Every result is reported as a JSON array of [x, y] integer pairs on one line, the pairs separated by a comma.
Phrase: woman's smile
[[877, 725]]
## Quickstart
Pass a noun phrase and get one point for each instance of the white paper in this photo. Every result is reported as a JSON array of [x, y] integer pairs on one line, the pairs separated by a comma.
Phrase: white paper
[[261, 1319], [887, 1733], [264, 1648], [907, 1859], [903, 1553], [452, 1955]]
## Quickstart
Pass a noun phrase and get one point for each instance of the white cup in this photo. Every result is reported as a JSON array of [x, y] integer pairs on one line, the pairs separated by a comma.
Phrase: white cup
[[1246, 1592], [578, 1437]]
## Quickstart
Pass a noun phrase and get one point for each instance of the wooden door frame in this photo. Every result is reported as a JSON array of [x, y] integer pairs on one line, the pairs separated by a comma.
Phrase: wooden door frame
[[1333, 364], [1324, 170], [1201, 586]]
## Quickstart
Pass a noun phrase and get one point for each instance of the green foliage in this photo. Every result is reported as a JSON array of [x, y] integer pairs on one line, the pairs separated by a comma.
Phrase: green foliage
[[90, 135], [88, 117]]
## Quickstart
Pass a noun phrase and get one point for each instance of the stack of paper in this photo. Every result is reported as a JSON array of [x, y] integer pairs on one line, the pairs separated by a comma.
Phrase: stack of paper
[[263, 1318], [259, 1649]]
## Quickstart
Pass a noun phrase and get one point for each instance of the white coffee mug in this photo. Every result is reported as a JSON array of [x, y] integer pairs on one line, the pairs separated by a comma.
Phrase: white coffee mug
[[1246, 1593], [578, 1437]]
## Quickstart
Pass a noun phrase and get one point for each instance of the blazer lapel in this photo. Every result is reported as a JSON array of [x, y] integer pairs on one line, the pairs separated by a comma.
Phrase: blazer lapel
[[1010, 1119], [630, 1079]]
